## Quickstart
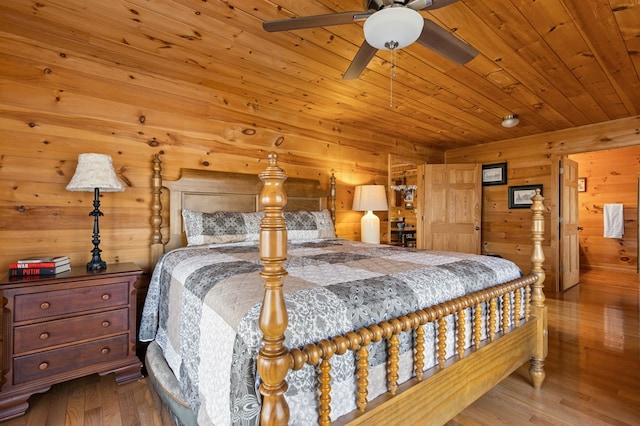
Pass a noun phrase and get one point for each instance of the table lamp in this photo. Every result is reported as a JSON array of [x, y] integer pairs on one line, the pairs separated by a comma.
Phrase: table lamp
[[94, 173], [369, 198]]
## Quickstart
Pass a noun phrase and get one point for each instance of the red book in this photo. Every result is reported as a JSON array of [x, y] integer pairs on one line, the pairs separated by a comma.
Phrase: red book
[[35, 265], [22, 265]]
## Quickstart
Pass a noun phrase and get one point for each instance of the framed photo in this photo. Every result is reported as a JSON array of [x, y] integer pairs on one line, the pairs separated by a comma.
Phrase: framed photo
[[408, 195], [494, 174], [582, 184], [520, 196]]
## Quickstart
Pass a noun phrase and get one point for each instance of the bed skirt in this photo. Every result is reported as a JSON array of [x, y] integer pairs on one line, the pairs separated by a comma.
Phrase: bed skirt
[[167, 386]]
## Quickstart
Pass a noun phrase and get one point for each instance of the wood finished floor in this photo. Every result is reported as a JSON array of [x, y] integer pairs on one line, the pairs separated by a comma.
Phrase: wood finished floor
[[593, 373]]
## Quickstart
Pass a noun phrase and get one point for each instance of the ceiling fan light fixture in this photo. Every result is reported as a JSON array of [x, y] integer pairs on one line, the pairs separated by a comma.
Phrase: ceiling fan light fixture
[[393, 28], [510, 120]]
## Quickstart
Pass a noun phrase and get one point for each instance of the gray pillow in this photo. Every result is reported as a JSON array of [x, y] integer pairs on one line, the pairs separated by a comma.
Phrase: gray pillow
[[305, 225], [221, 227]]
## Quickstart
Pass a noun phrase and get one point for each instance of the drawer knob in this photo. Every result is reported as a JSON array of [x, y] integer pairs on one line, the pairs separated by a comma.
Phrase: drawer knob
[[45, 305], [105, 324], [44, 336], [43, 365], [105, 351], [106, 296]]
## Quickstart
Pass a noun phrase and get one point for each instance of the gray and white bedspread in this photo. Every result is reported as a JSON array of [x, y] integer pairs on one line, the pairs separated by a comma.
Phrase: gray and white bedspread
[[203, 304]]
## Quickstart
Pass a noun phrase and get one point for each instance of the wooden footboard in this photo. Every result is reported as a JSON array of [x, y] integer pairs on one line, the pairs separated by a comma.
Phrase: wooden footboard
[[444, 390]]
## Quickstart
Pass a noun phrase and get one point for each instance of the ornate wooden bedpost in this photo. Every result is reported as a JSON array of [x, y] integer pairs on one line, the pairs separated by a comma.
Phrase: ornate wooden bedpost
[[157, 247], [332, 198], [273, 358], [538, 308]]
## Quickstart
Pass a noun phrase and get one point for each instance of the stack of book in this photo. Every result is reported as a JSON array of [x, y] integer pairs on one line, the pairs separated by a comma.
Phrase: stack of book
[[41, 265]]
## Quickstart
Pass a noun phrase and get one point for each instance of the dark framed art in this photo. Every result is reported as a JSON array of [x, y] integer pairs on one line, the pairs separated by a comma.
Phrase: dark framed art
[[494, 174], [409, 194], [582, 184], [520, 196]]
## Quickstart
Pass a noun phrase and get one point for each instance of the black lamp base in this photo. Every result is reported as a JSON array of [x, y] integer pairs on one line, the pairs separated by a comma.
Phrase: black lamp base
[[96, 263]]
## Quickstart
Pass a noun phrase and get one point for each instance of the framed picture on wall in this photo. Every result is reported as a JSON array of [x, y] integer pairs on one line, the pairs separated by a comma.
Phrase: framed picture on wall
[[582, 184], [409, 195], [494, 174], [520, 196]]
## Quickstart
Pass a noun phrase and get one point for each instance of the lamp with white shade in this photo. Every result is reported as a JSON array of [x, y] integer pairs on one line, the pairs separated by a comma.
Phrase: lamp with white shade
[[370, 198], [95, 173]]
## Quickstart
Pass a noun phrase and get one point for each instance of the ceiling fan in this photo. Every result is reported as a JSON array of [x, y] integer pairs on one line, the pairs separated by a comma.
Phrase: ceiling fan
[[389, 25]]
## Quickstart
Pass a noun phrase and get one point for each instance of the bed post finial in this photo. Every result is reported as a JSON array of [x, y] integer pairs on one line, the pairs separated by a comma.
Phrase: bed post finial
[[157, 246], [273, 358], [538, 308]]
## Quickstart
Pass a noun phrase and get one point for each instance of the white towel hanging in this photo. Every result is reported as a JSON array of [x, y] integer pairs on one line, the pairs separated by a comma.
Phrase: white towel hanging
[[613, 221]]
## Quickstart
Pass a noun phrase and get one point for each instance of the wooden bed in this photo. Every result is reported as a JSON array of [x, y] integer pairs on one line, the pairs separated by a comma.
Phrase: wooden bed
[[432, 397]]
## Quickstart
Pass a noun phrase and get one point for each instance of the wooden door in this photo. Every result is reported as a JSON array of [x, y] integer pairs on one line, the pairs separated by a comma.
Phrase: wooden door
[[451, 207], [569, 240]]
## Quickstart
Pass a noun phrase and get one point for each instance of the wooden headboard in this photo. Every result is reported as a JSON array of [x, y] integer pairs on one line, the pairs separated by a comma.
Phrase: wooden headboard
[[210, 191]]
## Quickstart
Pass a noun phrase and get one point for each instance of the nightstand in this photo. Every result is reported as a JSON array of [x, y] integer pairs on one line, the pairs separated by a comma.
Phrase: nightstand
[[61, 327]]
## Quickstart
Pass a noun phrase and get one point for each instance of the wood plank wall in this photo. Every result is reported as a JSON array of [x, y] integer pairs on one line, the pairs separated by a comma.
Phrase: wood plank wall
[[611, 177], [56, 103], [534, 160]]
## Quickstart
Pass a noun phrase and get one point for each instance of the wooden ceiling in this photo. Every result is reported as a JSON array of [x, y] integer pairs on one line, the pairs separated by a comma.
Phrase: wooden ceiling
[[556, 63]]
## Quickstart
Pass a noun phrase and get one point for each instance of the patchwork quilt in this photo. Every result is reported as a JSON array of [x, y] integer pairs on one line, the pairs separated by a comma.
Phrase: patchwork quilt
[[203, 304]]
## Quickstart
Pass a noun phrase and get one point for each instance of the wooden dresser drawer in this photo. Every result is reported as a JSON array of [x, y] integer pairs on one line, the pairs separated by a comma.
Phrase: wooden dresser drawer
[[28, 338], [49, 363], [62, 302]]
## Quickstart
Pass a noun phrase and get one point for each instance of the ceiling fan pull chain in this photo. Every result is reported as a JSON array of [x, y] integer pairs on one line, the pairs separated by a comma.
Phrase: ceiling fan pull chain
[[392, 75]]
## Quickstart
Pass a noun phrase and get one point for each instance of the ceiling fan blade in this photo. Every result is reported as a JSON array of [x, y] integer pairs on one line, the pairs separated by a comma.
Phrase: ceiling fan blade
[[446, 44], [315, 21], [360, 61]]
